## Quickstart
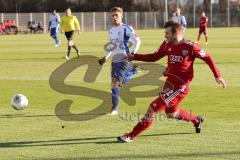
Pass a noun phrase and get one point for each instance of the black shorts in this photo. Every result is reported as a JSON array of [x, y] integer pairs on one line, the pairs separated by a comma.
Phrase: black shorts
[[69, 35]]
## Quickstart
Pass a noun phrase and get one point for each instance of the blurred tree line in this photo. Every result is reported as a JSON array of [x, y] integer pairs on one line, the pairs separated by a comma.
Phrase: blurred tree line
[[101, 5]]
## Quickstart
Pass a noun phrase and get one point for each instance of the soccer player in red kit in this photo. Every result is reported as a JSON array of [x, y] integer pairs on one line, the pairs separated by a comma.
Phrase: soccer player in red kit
[[179, 73], [203, 24]]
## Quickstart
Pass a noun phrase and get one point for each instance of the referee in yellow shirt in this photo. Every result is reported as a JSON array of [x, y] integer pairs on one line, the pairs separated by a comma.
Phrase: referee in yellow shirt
[[68, 24]]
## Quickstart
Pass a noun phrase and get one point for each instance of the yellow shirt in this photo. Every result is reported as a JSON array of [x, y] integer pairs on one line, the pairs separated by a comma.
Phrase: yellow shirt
[[68, 23]]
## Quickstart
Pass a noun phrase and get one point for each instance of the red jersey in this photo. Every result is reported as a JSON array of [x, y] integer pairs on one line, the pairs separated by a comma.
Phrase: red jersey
[[181, 58], [6, 24], [2, 27], [203, 22]]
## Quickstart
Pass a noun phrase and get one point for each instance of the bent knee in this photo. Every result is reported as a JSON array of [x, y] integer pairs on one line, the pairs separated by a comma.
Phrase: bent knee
[[172, 115], [70, 43], [158, 105]]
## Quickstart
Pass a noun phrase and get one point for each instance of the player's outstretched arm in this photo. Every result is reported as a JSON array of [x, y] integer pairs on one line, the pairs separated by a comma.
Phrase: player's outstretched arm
[[208, 59], [200, 53], [153, 57], [160, 53]]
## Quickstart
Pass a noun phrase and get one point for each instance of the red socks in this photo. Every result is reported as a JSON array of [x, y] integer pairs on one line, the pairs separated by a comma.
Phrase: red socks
[[142, 125], [186, 116], [147, 120]]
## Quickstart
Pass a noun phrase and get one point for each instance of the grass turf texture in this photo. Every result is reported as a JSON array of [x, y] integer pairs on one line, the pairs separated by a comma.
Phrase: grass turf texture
[[27, 61]]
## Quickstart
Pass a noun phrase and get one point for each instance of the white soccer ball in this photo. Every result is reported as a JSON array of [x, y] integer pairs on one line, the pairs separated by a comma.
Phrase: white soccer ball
[[19, 101]]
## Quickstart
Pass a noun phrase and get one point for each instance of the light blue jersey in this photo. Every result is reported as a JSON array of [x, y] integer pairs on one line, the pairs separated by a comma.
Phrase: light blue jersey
[[120, 36], [181, 20], [54, 21]]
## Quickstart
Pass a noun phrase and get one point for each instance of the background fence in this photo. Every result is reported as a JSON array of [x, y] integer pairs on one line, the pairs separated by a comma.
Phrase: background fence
[[98, 21]]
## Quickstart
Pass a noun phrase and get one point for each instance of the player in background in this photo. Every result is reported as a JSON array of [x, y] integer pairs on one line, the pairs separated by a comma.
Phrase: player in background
[[179, 73], [174, 17], [122, 70], [179, 18], [2, 28], [53, 26], [68, 25], [203, 24]]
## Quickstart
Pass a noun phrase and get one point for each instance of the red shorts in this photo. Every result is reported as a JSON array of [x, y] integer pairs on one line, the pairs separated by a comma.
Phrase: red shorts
[[203, 30], [169, 99]]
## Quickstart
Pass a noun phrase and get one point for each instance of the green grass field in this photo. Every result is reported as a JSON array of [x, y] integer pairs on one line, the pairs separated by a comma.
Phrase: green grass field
[[28, 61]]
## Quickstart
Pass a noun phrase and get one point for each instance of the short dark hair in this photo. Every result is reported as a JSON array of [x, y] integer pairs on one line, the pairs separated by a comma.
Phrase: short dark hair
[[174, 25], [117, 9]]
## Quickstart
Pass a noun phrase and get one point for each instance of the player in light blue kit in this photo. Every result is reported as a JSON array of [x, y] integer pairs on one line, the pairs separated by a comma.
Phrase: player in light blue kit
[[122, 70], [53, 26], [179, 18]]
